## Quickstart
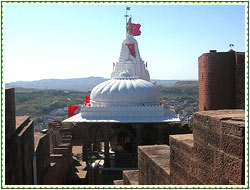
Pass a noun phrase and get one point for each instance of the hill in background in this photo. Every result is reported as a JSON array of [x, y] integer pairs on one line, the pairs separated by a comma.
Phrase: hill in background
[[77, 84], [39, 102]]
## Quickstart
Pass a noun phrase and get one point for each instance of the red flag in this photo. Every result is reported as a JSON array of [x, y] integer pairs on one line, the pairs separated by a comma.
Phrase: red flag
[[71, 110], [131, 48], [87, 99], [135, 29]]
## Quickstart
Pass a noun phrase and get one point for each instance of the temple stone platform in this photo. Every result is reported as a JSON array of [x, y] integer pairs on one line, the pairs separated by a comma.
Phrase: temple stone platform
[[212, 155]]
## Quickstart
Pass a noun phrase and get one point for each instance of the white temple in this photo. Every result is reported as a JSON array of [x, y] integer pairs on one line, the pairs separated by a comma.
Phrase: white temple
[[129, 96]]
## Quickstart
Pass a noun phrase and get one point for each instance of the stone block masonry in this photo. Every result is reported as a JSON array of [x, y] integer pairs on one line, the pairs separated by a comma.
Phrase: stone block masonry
[[220, 148], [153, 165], [212, 155]]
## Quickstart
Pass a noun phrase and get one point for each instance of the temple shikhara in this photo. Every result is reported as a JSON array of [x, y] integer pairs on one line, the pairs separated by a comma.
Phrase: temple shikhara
[[128, 96], [125, 111]]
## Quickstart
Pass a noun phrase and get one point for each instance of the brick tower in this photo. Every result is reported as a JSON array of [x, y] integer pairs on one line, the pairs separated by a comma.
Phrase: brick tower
[[221, 80]]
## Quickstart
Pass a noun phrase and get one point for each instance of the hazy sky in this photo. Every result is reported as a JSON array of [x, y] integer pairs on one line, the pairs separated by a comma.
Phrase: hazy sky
[[43, 41]]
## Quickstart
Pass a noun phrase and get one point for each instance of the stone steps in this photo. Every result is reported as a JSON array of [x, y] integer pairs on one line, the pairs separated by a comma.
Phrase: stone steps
[[63, 145], [154, 165], [56, 158], [181, 160], [66, 140], [130, 177], [61, 150]]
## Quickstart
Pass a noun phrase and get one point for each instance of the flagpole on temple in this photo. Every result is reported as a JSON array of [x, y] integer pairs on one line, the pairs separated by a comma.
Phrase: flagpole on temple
[[127, 8]]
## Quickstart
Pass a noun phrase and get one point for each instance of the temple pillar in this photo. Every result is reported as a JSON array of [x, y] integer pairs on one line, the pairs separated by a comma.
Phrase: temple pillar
[[106, 147], [85, 143]]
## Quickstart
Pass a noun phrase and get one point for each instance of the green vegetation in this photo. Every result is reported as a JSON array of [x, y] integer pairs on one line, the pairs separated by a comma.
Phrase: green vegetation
[[42, 102], [38, 103], [67, 125], [181, 91]]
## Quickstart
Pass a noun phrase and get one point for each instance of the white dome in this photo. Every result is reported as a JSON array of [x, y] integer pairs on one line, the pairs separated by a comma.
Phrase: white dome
[[125, 91]]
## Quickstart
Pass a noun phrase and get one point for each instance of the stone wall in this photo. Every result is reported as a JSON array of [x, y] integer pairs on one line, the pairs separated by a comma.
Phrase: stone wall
[[10, 117], [55, 137], [53, 166], [181, 156], [42, 155], [153, 165], [240, 80], [212, 155], [21, 147], [19, 153], [60, 157], [219, 144], [19, 144]]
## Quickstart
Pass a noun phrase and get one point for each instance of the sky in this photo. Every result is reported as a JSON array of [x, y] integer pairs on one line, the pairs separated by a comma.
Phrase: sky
[[60, 41]]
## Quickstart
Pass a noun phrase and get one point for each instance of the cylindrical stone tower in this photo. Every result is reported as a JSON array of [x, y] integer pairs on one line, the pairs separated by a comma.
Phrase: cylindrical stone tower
[[217, 83]]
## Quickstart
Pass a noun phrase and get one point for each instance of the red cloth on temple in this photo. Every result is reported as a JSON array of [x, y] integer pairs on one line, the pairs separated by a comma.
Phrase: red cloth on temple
[[131, 48], [71, 110], [87, 99], [135, 30]]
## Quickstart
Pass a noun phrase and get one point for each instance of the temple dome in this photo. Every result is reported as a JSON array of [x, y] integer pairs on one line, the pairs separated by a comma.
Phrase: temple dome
[[125, 91]]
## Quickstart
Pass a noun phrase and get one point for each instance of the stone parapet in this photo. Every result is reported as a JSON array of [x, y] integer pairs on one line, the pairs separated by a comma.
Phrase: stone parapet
[[212, 155], [181, 157], [219, 144], [21, 147], [154, 165], [42, 155]]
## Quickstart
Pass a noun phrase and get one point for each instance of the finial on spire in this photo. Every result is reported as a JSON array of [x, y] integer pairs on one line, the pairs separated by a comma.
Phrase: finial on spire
[[126, 15], [231, 46]]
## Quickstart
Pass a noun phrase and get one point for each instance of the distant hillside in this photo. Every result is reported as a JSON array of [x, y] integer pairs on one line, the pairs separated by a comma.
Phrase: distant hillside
[[181, 90], [166, 83], [191, 83], [77, 84]]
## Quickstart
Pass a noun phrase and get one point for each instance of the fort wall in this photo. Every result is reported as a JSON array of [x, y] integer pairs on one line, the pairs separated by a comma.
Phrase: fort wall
[[19, 144], [212, 155]]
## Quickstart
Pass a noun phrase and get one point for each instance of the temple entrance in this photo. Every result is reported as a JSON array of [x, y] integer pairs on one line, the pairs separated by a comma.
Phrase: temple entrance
[[123, 143]]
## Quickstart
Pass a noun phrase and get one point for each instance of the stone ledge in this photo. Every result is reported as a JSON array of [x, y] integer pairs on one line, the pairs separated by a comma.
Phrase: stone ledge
[[184, 142], [221, 129], [21, 122], [130, 177], [181, 158], [26, 127], [154, 165]]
